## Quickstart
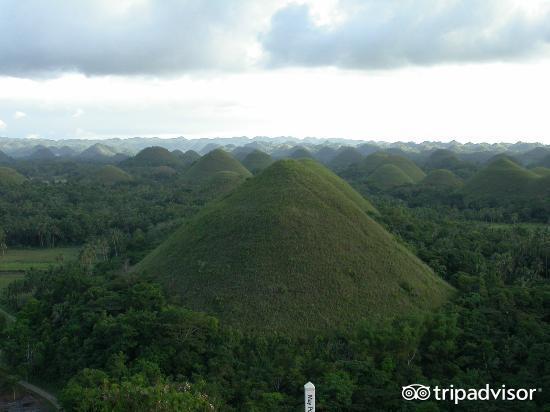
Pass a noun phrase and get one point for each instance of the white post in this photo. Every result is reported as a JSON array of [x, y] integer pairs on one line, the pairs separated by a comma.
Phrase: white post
[[309, 397]]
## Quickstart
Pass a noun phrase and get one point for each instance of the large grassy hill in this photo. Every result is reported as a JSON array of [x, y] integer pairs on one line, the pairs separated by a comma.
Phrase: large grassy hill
[[210, 164], [292, 250]]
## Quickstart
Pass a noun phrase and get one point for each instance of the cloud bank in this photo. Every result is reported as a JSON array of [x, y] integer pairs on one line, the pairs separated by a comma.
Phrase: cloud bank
[[392, 33], [124, 37], [172, 37]]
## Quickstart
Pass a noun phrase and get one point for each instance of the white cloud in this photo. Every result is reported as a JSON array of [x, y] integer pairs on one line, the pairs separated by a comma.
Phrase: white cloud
[[19, 115], [3, 125], [78, 113], [377, 34]]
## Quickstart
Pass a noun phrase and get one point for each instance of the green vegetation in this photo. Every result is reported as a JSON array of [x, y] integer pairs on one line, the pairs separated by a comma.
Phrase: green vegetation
[[442, 178], [18, 260], [187, 158], [256, 161], [257, 253], [8, 277], [292, 250], [214, 162], [9, 176], [388, 176]]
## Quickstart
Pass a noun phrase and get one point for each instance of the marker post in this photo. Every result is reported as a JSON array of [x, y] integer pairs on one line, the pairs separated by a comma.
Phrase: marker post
[[309, 397]]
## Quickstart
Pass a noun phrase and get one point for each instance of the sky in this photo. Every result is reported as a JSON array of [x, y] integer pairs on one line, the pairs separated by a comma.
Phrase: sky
[[412, 70]]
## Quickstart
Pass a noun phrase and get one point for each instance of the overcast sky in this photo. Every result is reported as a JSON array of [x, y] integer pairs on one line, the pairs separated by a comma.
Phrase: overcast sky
[[470, 70]]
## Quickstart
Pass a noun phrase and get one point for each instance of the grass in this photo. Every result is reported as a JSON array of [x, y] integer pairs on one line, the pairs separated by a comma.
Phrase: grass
[[8, 277], [20, 260], [293, 250], [388, 176], [375, 160]]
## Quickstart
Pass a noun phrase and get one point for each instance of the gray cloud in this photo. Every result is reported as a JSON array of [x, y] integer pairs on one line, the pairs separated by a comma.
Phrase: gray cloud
[[392, 33], [99, 37]]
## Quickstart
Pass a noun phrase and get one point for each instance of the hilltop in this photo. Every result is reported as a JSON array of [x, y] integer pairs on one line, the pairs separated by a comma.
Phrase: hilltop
[[256, 161], [100, 153], [292, 250], [213, 162], [153, 157]]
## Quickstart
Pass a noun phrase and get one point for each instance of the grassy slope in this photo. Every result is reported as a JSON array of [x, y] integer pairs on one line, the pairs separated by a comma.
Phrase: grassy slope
[[345, 157], [293, 250], [214, 162], [24, 259]]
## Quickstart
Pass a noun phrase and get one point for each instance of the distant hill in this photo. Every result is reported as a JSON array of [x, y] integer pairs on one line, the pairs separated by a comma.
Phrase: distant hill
[[442, 159], [325, 154], [10, 177], [541, 171], [442, 178], [372, 162], [300, 152], [41, 153], [345, 157], [533, 156], [504, 181], [153, 157], [213, 162], [110, 175], [63, 151], [5, 159], [367, 149], [256, 161], [293, 250], [99, 153], [388, 176], [187, 158]]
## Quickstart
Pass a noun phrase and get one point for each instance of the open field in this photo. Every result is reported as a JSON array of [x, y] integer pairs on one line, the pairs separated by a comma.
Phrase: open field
[[19, 260]]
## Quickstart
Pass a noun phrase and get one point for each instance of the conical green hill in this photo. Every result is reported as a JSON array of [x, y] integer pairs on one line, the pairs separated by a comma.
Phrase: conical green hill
[[501, 181], [345, 157], [257, 161], [387, 177], [213, 162], [109, 175], [152, 157], [292, 250], [375, 160], [541, 171], [9, 177], [442, 178]]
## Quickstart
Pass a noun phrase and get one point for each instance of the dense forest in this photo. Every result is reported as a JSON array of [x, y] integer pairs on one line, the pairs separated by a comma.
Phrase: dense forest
[[116, 329]]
